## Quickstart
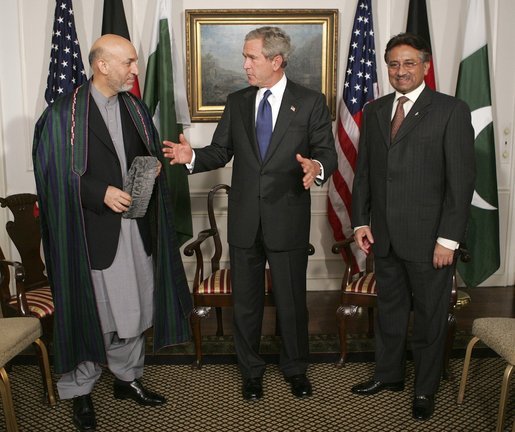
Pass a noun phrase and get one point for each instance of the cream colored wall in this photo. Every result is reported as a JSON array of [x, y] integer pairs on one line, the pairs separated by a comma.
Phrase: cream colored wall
[[25, 28]]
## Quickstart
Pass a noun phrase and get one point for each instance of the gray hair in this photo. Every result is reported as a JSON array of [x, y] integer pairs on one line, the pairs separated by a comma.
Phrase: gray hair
[[275, 42]]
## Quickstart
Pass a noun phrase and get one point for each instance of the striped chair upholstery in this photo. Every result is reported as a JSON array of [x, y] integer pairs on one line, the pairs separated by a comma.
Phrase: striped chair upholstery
[[364, 285], [39, 300], [220, 283]]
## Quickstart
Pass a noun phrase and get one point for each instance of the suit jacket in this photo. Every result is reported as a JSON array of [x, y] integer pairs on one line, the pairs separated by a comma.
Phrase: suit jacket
[[103, 169], [418, 187], [270, 193]]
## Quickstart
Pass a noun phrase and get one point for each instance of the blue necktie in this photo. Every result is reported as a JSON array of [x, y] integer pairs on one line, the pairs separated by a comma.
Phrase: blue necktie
[[264, 124]]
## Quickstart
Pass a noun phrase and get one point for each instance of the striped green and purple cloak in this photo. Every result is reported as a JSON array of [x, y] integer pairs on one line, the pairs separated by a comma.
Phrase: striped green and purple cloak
[[60, 155]]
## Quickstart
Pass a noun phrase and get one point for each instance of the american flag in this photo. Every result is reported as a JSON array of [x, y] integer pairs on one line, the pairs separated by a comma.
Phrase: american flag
[[66, 70], [360, 87]]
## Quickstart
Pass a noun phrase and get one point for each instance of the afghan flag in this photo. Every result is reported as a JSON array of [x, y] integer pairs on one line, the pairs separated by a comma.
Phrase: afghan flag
[[419, 25], [473, 87], [165, 95], [114, 22]]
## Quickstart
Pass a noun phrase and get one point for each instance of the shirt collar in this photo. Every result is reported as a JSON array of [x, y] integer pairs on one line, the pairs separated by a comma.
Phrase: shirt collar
[[277, 89], [100, 99], [412, 95]]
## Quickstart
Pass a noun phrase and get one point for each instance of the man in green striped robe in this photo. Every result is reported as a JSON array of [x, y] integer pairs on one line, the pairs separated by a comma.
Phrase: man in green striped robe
[[112, 277]]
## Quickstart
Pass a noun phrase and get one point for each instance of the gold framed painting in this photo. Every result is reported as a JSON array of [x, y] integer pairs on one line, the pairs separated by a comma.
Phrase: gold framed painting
[[214, 43]]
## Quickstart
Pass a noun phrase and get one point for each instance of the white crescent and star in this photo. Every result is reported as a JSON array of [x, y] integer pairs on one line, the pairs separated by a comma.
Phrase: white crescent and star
[[481, 118]]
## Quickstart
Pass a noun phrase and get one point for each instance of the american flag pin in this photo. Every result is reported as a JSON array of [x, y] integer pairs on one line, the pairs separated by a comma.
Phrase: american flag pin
[[293, 108]]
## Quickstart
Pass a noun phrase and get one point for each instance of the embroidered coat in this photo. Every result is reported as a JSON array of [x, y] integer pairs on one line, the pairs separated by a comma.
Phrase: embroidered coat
[[60, 156]]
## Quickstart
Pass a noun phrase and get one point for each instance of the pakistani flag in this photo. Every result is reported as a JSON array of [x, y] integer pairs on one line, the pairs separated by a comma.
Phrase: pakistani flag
[[473, 87], [165, 95]]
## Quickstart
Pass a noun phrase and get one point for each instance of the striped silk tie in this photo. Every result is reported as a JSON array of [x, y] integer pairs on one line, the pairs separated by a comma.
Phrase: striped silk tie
[[398, 117]]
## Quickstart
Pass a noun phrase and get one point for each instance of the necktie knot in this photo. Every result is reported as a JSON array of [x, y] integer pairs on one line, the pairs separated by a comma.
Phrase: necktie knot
[[398, 117], [264, 124]]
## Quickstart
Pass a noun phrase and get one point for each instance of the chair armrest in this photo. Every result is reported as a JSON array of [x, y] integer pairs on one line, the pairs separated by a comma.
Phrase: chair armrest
[[343, 248], [343, 245], [194, 246], [19, 275]]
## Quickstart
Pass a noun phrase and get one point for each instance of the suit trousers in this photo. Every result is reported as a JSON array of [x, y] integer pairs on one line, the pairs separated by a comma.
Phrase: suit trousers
[[288, 270], [125, 359], [401, 284]]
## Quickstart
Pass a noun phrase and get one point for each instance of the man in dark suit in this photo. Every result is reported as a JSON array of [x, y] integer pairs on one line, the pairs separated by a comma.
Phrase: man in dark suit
[[269, 200], [411, 198]]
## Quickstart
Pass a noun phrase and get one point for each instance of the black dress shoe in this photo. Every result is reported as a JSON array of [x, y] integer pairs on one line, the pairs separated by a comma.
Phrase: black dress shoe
[[83, 413], [372, 387], [137, 393], [252, 388], [300, 385], [423, 407]]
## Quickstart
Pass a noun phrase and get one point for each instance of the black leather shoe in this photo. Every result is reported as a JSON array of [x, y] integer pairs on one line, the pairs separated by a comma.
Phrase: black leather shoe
[[372, 387], [300, 385], [252, 388], [83, 413], [423, 407], [137, 393]]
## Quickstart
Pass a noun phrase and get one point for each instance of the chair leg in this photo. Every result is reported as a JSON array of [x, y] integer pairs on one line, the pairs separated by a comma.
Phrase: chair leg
[[219, 322], [44, 366], [195, 317], [7, 400], [466, 364], [451, 333], [504, 396], [341, 314]]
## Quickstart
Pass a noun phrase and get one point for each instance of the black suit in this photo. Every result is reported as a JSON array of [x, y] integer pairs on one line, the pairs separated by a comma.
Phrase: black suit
[[102, 225], [412, 191], [269, 215]]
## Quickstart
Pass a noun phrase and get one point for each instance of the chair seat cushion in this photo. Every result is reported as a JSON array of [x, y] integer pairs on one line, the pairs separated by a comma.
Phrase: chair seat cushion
[[220, 283], [498, 334], [16, 334], [39, 300], [364, 285]]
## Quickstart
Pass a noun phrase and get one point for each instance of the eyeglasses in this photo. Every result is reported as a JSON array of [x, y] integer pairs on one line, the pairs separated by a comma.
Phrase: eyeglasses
[[408, 65]]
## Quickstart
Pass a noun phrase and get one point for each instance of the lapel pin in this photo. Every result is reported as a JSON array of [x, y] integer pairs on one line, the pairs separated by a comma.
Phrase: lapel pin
[[293, 108], [416, 113]]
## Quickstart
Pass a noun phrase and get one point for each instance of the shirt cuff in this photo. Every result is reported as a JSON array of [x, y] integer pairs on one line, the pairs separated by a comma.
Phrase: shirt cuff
[[319, 179], [191, 165], [449, 244]]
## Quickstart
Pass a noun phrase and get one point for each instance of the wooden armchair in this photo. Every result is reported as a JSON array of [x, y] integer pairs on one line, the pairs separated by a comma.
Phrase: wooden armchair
[[214, 289], [359, 290], [33, 296]]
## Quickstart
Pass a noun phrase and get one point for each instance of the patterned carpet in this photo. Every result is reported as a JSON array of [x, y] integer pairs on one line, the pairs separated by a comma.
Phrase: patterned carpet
[[208, 400]]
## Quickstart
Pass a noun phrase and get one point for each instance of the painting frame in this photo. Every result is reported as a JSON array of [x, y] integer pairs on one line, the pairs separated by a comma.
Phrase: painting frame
[[212, 67]]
